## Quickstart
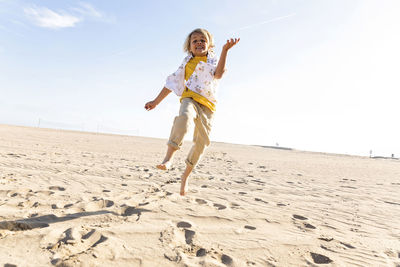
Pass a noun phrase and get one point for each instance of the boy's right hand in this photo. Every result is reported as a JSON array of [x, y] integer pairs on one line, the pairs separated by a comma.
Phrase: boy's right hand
[[150, 105]]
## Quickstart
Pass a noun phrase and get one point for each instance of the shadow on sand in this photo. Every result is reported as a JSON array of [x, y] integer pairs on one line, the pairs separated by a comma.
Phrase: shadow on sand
[[46, 220]]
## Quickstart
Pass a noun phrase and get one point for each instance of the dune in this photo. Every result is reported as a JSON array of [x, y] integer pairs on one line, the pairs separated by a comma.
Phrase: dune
[[85, 199]]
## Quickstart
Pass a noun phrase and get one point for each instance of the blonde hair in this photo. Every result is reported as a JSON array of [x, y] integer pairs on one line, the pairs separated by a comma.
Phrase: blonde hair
[[207, 34]]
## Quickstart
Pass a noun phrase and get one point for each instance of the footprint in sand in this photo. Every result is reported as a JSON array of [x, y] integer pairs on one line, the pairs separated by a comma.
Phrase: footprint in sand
[[170, 242], [310, 226], [350, 246], [327, 249], [226, 259], [59, 188], [189, 234], [327, 239], [219, 206], [201, 201], [299, 217], [302, 218], [183, 224], [320, 259], [12, 194], [201, 252], [260, 200], [179, 243], [258, 181], [73, 242], [172, 181], [235, 205], [98, 204]]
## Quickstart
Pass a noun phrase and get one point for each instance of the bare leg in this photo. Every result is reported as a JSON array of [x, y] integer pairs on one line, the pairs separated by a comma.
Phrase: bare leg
[[166, 163], [184, 177]]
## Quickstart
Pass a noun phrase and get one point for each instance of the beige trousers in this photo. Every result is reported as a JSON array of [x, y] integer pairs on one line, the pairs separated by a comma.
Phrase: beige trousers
[[191, 111]]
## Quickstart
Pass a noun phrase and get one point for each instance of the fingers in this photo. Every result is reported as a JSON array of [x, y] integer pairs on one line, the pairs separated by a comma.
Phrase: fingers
[[231, 42], [149, 106]]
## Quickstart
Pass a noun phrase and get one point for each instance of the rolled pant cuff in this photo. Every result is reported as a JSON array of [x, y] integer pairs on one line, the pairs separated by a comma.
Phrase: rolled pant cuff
[[172, 144], [189, 163]]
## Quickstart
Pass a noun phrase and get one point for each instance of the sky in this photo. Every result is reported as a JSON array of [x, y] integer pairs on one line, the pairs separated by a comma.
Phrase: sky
[[307, 74]]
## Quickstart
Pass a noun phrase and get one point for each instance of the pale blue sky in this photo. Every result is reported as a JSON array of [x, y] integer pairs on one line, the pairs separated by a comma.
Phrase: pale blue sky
[[311, 75]]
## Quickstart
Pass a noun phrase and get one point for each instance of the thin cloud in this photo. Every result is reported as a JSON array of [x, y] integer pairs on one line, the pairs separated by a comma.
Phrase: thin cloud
[[88, 10], [264, 22], [47, 18]]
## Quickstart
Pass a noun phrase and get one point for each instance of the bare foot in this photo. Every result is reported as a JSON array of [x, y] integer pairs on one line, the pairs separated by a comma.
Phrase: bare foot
[[184, 179], [164, 166]]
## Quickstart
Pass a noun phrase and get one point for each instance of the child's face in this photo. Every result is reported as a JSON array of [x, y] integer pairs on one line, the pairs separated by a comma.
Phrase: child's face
[[198, 44]]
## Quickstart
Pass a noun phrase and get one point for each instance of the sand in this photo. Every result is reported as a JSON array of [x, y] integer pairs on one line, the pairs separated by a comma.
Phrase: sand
[[85, 199]]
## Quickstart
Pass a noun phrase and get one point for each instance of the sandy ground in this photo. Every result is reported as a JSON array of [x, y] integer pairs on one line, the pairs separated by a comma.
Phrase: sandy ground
[[84, 199]]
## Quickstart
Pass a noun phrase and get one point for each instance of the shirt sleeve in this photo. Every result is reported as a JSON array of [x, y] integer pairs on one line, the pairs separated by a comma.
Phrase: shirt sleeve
[[212, 65], [174, 82]]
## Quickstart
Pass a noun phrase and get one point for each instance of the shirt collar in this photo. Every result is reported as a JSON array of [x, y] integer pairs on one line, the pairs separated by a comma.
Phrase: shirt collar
[[211, 58]]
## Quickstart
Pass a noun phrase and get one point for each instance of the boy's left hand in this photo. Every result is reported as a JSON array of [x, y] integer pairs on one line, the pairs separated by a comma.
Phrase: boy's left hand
[[150, 105], [230, 43]]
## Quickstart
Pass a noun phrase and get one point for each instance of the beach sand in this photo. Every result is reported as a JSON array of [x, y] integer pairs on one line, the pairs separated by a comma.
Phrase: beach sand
[[84, 199]]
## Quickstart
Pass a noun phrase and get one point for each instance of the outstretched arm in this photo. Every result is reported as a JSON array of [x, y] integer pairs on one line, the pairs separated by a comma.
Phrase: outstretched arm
[[152, 104], [222, 60]]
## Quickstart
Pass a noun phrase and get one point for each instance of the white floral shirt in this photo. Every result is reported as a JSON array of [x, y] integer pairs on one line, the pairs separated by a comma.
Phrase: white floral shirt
[[201, 81]]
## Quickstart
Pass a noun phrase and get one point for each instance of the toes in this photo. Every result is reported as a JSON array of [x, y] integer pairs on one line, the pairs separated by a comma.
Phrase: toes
[[164, 166], [161, 167]]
